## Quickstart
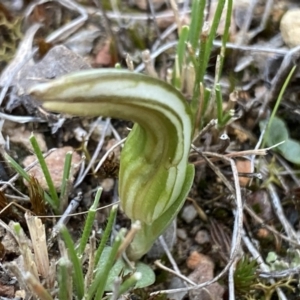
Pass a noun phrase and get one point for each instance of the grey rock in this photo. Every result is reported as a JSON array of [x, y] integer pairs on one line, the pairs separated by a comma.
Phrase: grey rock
[[189, 213]]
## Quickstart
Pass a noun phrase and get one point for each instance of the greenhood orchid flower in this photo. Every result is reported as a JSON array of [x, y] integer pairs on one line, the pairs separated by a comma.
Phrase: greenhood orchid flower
[[155, 176]]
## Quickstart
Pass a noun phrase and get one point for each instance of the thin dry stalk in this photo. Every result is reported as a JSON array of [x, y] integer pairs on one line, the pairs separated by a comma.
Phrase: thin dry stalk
[[290, 59], [73, 205], [202, 215], [168, 253], [148, 62], [238, 213], [95, 154], [108, 152], [178, 274], [275, 200], [174, 7], [26, 252], [135, 227], [270, 228]]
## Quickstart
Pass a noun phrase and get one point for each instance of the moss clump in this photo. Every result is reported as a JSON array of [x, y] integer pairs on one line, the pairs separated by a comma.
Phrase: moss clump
[[10, 35]]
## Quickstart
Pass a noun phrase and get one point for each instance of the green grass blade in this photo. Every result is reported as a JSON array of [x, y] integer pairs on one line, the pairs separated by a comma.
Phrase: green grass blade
[[78, 280], [195, 98], [106, 234], [225, 36], [129, 283], [17, 167], [196, 34], [46, 172], [176, 78], [211, 37], [89, 223], [181, 47], [64, 279], [287, 81], [66, 176], [226, 118], [207, 96], [197, 18], [98, 285], [219, 100], [181, 51]]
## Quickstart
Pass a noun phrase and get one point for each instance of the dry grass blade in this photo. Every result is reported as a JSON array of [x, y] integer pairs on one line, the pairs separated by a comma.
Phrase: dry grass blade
[[38, 239], [26, 252]]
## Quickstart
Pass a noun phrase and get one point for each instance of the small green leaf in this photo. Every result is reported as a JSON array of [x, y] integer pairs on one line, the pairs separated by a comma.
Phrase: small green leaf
[[290, 150], [120, 268], [277, 132], [148, 276]]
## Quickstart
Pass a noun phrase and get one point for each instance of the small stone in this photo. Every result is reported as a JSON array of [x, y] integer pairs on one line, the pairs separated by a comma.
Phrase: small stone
[[107, 184], [55, 162], [202, 237], [177, 283], [263, 233], [80, 134], [18, 134], [182, 234], [290, 28], [189, 213], [194, 260], [203, 267]]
